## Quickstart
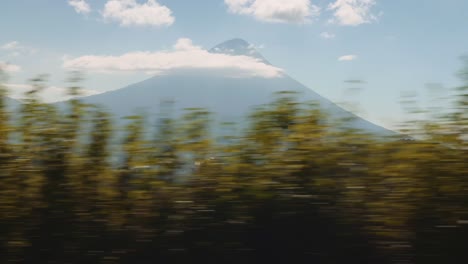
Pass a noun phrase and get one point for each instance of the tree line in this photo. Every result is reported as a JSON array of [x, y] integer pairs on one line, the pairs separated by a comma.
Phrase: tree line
[[289, 188]]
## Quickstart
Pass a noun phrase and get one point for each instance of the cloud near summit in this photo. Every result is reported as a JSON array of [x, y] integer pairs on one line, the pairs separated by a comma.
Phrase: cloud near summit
[[183, 55]]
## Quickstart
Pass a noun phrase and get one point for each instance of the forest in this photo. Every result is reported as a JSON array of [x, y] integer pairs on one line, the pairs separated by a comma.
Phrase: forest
[[289, 187]]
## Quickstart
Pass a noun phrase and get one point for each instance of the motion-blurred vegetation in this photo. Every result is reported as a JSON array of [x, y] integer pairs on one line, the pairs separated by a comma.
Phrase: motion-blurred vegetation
[[288, 189]]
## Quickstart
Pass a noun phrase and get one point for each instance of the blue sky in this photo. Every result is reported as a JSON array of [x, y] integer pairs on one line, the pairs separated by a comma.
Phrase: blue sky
[[394, 46]]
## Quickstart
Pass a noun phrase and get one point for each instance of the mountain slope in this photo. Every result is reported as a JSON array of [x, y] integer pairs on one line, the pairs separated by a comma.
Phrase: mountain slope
[[238, 47], [11, 103], [230, 98]]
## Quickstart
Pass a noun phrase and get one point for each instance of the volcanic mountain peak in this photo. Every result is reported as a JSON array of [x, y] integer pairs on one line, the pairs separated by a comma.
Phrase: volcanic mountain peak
[[238, 47]]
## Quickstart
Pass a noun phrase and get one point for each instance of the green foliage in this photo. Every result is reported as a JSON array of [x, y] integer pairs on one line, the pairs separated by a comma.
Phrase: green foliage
[[291, 188]]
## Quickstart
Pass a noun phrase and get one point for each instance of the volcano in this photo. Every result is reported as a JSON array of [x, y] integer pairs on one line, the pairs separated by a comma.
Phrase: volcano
[[229, 98]]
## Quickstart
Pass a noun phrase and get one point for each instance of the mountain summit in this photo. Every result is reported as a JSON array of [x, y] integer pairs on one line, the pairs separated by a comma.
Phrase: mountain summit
[[238, 47], [230, 99]]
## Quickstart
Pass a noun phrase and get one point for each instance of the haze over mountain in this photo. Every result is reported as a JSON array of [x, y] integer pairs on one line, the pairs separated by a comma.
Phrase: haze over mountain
[[12, 103], [227, 95]]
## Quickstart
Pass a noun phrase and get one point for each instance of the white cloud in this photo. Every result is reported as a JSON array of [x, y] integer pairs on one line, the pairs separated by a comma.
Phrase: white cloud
[[348, 58], [352, 12], [9, 68], [131, 13], [184, 55], [10, 46], [185, 44], [327, 35], [279, 11], [50, 94], [80, 6], [16, 49]]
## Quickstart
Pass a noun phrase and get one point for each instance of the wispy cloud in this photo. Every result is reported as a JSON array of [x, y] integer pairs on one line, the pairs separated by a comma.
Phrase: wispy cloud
[[352, 12], [348, 57], [132, 13], [327, 35], [10, 46], [80, 6], [354, 81], [184, 55], [9, 68], [49, 94], [16, 49], [290, 11]]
